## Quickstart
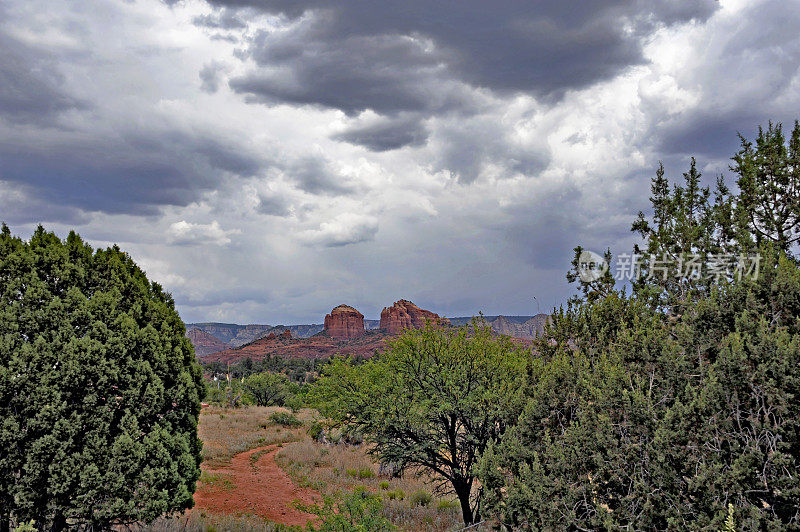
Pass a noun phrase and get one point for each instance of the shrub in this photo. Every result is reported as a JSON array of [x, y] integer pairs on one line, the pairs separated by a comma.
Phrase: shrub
[[359, 511], [365, 472], [294, 403], [397, 494], [267, 389], [285, 419], [384, 485], [421, 498], [442, 504], [316, 431]]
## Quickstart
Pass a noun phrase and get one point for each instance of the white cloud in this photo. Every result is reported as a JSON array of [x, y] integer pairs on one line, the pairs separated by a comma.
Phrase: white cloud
[[346, 228], [185, 233]]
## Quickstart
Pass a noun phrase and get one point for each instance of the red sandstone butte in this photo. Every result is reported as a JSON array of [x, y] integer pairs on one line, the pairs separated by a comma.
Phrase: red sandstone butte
[[406, 315], [344, 323], [205, 343], [286, 334]]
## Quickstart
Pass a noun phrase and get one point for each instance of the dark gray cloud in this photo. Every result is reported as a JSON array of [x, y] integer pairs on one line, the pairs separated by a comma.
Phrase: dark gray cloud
[[273, 205], [398, 55], [314, 175], [133, 173], [30, 84], [748, 77], [212, 297], [468, 147], [386, 134]]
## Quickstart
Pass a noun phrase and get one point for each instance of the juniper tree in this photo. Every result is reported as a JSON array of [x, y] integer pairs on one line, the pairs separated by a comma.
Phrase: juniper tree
[[99, 389], [675, 407]]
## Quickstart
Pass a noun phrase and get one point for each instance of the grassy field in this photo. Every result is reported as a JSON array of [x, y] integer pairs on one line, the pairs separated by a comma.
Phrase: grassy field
[[227, 432], [330, 469], [408, 502]]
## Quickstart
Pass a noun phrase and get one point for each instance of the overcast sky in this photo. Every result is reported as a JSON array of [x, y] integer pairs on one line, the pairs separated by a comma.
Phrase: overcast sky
[[266, 160]]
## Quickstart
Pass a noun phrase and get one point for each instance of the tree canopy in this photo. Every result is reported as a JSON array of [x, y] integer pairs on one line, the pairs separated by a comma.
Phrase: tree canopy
[[674, 407], [434, 399], [99, 389]]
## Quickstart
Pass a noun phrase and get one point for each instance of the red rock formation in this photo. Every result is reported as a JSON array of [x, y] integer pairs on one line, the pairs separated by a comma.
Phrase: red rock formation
[[205, 343], [271, 336], [319, 346], [286, 334], [406, 315], [344, 323]]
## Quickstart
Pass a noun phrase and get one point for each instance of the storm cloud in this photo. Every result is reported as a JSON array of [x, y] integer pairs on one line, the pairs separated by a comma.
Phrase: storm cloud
[[266, 160]]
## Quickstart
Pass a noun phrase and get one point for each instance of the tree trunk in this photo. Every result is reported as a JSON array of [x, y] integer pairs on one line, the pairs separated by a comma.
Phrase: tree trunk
[[59, 522], [462, 491], [5, 522]]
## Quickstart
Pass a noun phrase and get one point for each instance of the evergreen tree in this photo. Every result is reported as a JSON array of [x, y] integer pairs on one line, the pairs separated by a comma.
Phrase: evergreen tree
[[674, 408], [636, 422], [769, 180], [99, 389]]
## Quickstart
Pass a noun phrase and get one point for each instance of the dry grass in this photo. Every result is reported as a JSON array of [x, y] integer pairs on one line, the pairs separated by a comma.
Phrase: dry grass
[[329, 469], [200, 522], [340, 468], [226, 432]]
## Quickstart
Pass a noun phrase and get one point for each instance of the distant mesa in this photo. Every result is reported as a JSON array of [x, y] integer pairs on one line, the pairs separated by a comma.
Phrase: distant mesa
[[205, 343], [345, 332], [406, 315], [344, 323]]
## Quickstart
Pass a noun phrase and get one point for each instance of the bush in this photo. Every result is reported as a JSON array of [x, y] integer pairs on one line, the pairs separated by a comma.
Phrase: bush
[[384, 485], [285, 419], [267, 389], [294, 403], [661, 392], [316, 431], [442, 504], [397, 494], [421, 498], [358, 512]]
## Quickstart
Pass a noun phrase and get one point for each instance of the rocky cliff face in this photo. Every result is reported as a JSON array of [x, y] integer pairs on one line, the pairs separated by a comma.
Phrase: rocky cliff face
[[205, 343], [406, 315], [344, 323], [527, 330]]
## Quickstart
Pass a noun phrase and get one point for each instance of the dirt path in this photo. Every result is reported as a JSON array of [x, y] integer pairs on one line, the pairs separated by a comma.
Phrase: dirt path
[[258, 486]]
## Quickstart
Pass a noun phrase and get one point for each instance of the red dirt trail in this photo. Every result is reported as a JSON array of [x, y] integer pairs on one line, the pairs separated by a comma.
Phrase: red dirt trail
[[260, 488]]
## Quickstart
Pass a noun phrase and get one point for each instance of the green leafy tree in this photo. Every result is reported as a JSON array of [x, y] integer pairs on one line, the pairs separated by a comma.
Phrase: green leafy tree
[[99, 389], [267, 389], [434, 399]]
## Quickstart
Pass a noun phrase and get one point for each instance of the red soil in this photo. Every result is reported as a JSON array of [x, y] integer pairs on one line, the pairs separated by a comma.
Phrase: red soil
[[260, 488]]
